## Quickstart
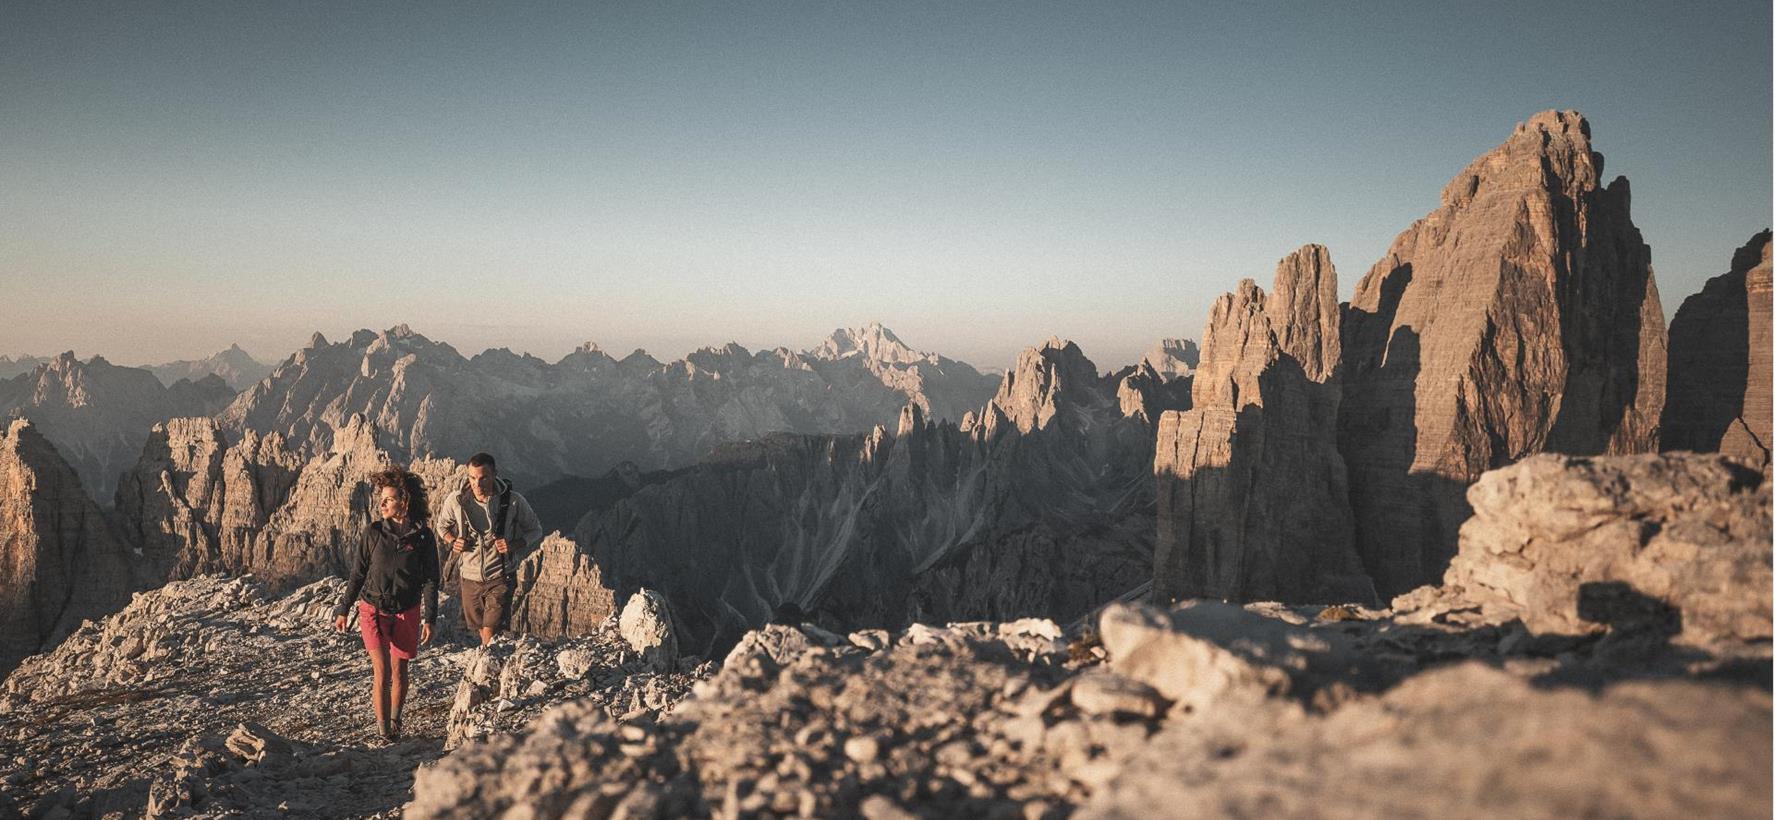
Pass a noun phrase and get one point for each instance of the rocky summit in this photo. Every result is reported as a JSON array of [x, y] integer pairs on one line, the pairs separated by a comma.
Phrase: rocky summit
[[1519, 317], [234, 366], [1253, 498]]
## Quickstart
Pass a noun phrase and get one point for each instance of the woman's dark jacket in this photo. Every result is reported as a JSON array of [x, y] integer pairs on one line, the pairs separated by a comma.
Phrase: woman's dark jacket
[[393, 573]]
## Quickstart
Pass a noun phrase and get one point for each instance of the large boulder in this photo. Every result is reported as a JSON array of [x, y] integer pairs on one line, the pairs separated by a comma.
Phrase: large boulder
[[1519, 317], [1465, 740], [646, 625], [1678, 543]]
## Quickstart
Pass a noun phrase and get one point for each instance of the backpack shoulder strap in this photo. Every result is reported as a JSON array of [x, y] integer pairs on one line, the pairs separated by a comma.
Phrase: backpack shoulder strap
[[505, 508]]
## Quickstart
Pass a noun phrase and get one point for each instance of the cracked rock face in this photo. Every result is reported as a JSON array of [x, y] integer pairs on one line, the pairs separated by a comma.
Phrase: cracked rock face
[[1252, 492], [63, 560], [201, 500], [1719, 363], [1520, 317]]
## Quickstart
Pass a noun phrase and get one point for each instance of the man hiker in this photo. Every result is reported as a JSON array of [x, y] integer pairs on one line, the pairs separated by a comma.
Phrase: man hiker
[[486, 526]]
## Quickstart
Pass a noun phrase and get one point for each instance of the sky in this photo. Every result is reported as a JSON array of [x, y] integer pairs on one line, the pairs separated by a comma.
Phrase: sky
[[176, 177]]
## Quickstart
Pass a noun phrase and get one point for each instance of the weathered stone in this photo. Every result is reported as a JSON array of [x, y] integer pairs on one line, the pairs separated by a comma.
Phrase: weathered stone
[[256, 744], [1252, 493], [1467, 740], [1720, 363], [1205, 654], [646, 624], [1520, 317], [1108, 694], [1569, 545]]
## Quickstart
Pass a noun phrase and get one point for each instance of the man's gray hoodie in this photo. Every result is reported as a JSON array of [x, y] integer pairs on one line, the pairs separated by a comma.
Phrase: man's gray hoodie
[[462, 514]]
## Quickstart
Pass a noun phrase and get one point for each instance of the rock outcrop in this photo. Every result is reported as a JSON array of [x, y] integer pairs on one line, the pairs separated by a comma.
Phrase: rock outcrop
[[199, 503], [1252, 493], [1720, 363], [196, 504], [588, 413], [63, 560], [234, 366], [1675, 545], [1519, 317], [98, 414], [558, 591], [1039, 503]]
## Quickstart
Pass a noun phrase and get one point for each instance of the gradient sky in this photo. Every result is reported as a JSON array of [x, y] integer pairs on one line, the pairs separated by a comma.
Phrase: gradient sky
[[175, 177]]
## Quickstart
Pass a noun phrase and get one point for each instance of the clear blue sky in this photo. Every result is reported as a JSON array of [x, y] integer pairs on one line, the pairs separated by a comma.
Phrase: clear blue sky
[[178, 176]]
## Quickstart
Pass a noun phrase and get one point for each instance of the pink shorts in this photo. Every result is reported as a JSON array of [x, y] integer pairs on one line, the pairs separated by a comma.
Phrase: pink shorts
[[399, 633]]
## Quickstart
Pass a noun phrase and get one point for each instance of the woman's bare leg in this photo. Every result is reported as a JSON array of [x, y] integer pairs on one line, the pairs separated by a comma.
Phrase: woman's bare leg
[[379, 684], [398, 691]]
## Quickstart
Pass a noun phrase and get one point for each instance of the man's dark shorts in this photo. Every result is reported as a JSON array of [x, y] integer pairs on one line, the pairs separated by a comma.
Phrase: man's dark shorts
[[486, 604]]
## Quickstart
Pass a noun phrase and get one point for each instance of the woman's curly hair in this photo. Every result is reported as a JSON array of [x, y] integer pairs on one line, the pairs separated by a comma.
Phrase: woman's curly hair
[[398, 477]]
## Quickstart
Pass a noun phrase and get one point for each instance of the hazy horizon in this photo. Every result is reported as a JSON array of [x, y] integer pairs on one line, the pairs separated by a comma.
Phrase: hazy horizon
[[671, 176]]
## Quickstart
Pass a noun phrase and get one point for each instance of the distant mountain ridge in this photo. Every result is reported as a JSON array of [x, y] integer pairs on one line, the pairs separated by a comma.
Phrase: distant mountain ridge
[[98, 414], [10, 367], [234, 366], [589, 412]]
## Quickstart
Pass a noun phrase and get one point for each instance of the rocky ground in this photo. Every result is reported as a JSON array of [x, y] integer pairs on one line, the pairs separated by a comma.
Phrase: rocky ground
[[203, 698], [1209, 709]]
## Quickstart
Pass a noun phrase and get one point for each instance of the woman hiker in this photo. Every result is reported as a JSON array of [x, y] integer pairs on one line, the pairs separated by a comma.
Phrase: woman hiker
[[394, 584]]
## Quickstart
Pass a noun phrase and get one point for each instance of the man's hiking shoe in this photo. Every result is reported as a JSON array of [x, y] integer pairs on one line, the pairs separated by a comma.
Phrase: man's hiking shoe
[[385, 731], [394, 729]]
